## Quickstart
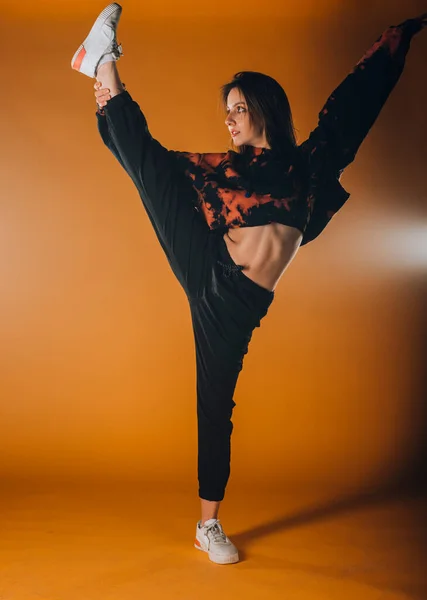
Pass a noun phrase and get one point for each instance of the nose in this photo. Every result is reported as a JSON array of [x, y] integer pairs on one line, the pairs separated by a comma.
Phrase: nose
[[229, 121]]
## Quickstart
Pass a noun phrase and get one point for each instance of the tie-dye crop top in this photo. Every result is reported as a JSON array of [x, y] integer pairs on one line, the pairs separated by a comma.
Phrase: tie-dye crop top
[[264, 186]]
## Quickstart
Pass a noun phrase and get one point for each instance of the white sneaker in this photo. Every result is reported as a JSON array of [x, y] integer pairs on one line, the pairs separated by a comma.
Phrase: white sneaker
[[100, 45], [211, 539]]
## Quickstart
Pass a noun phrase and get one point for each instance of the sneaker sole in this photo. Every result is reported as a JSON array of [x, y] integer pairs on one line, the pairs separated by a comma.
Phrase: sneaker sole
[[85, 48], [223, 560]]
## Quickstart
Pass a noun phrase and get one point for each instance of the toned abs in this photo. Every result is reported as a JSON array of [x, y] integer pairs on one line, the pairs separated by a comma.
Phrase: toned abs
[[264, 251]]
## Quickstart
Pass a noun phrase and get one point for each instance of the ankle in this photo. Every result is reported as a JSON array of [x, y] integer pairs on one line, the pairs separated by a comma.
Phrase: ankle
[[105, 70], [209, 509], [109, 78], [203, 521]]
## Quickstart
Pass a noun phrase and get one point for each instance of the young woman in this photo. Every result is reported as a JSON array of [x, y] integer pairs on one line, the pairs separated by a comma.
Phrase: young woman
[[230, 223]]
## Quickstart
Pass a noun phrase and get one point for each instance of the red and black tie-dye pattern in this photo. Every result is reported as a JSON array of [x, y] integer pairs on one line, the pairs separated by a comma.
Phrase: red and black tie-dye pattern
[[265, 190]]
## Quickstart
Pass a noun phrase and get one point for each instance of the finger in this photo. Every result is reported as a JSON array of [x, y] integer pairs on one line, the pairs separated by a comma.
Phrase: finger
[[102, 93], [103, 98]]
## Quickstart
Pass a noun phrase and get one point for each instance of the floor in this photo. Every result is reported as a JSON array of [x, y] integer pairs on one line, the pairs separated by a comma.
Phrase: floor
[[120, 542]]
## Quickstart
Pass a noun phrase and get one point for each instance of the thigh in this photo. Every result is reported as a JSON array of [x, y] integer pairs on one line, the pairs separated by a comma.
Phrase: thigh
[[224, 318], [220, 344]]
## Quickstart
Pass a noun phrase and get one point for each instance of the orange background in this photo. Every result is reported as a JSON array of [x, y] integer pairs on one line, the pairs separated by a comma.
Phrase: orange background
[[97, 365]]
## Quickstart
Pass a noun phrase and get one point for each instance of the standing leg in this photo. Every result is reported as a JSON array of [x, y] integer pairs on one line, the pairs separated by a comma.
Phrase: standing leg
[[218, 362], [223, 322], [209, 510]]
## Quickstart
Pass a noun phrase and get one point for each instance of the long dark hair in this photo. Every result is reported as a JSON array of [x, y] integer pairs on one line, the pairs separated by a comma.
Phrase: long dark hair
[[268, 108]]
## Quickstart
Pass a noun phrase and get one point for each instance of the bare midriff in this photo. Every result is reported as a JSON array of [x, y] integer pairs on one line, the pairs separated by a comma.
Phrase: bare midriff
[[264, 251]]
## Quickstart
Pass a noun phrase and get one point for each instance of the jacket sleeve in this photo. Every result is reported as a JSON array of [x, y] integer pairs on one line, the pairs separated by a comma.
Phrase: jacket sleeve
[[352, 108], [346, 118]]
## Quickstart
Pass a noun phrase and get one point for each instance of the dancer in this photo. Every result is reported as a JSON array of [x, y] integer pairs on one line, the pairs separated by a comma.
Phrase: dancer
[[230, 223]]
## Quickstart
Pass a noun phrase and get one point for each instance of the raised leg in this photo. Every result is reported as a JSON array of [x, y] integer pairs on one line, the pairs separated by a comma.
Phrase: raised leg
[[108, 79]]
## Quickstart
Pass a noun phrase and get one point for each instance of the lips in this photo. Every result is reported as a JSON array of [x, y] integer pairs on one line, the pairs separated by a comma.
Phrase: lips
[[234, 132]]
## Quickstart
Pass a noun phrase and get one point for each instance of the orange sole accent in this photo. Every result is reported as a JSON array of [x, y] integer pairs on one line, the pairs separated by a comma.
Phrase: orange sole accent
[[79, 59], [196, 541]]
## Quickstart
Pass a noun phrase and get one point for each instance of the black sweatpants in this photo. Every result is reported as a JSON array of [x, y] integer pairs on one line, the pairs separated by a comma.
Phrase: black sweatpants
[[225, 304]]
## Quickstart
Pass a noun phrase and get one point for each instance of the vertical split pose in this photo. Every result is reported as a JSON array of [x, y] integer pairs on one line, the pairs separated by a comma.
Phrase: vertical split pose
[[230, 223]]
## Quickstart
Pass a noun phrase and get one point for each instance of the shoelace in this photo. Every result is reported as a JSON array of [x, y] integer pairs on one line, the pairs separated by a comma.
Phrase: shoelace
[[117, 50], [218, 536]]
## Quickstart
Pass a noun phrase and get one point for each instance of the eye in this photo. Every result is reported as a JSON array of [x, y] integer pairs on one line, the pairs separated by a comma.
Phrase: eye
[[242, 107]]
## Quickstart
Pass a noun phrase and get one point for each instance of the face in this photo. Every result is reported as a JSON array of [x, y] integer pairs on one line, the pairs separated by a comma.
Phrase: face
[[238, 121]]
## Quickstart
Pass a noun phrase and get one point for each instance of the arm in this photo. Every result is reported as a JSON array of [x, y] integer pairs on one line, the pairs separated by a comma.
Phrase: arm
[[347, 117], [355, 104]]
